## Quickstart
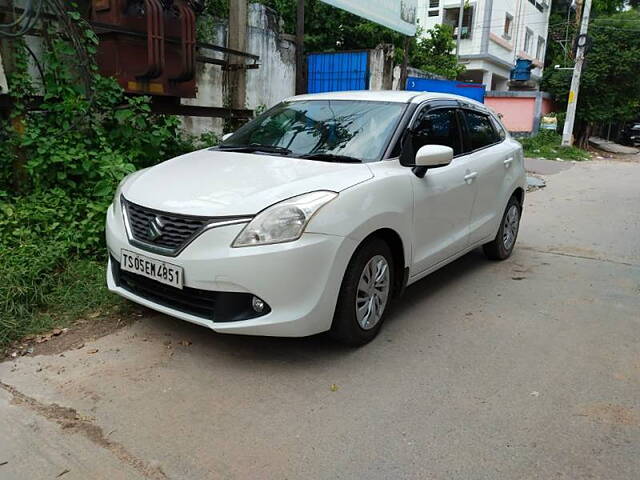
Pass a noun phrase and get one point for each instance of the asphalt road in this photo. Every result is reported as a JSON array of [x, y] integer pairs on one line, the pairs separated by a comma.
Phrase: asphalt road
[[526, 369]]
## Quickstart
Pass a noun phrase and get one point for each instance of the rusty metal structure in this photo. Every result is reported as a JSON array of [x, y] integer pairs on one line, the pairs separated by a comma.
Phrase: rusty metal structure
[[149, 46]]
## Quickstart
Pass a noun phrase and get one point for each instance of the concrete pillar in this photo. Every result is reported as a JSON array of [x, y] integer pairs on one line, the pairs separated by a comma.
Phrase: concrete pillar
[[487, 78], [537, 116], [237, 41], [381, 67], [501, 84]]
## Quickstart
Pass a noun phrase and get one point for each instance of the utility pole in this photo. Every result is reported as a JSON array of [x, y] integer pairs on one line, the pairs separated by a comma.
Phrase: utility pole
[[460, 16], [238, 41], [300, 66], [579, 4], [567, 133]]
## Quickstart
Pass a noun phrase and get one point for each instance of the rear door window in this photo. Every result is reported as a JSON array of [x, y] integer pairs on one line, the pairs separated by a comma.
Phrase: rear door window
[[481, 132]]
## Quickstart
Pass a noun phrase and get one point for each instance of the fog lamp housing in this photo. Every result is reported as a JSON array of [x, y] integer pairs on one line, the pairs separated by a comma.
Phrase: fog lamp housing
[[257, 304]]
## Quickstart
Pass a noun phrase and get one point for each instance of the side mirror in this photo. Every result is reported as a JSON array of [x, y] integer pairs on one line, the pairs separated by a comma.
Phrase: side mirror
[[226, 135], [432, 156]]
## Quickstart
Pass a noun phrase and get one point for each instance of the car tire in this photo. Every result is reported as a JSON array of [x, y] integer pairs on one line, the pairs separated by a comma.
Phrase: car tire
[[502, 246], [351, 325]]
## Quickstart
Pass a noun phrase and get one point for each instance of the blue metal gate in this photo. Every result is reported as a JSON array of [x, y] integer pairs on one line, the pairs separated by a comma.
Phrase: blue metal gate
[[471, 90], [332, 72]]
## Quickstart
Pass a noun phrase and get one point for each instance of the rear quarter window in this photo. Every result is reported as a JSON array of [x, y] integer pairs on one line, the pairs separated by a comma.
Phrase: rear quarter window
[[497, 125]]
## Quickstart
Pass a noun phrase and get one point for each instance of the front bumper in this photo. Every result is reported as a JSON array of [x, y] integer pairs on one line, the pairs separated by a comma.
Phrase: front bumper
[[299, 281]]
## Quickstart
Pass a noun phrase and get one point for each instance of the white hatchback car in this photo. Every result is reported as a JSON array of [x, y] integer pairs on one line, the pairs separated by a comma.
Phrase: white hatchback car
[[314, 215]]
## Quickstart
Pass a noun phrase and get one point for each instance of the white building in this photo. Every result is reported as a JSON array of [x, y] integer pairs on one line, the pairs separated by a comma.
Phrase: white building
[[495, 33]]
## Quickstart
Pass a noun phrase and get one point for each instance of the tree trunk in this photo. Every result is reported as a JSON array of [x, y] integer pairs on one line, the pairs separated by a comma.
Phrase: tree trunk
[[582, 137], [404, 71]]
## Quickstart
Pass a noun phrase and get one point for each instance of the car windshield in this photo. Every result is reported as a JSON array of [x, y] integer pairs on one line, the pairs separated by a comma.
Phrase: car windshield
[[330, 130]]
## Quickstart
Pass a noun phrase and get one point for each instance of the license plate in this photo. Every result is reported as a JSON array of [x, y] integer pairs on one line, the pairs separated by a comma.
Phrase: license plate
[[162, 272]]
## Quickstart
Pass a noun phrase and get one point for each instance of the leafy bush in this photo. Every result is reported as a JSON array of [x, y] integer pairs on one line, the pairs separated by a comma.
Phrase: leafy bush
[[52, 217], [59, 168], [547, 144], [87, 143]]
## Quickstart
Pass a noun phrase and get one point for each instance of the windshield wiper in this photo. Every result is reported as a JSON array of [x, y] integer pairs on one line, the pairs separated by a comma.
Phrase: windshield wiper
[[330, 157], [254, 147]]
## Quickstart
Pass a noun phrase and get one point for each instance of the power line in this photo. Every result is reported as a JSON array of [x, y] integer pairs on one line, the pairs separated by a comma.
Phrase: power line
[[30, 16]]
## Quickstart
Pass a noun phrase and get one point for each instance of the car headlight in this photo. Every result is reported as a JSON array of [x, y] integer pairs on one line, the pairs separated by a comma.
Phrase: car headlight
[[284, 221]]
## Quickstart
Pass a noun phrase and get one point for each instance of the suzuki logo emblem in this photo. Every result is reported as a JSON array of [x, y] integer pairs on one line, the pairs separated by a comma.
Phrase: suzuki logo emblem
[[155, 228]]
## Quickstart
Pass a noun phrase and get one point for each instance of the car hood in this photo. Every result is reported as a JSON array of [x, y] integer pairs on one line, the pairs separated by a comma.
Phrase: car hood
[[217, 183]]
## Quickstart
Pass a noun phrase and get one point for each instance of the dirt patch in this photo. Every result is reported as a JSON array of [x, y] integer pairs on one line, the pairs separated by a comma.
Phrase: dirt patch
[[615, 157], [70, 420], [610, 414], [75, 336], [542, 166]]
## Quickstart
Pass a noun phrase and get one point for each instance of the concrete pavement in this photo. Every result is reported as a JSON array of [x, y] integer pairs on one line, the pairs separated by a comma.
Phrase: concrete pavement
[[524, 369]]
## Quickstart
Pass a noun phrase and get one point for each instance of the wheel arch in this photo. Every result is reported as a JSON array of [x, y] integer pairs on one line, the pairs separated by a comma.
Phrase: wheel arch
[[518, 193], [393, 239]]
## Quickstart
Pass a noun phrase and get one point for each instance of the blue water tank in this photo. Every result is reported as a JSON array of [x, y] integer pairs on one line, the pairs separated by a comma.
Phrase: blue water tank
[[522, 70]]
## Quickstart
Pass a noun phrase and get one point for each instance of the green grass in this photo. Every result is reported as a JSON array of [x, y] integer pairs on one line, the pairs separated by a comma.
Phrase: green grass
[[61, 293], [52, 263], [547, 145]]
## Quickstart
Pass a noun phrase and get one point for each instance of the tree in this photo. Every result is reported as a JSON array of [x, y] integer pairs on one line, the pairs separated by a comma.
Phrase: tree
[[599, 7], [330, 29], [326, 28], [610, 84], [433, 53]]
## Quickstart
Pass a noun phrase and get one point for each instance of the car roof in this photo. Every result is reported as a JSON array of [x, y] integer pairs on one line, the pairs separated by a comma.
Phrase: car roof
[[397, 96]]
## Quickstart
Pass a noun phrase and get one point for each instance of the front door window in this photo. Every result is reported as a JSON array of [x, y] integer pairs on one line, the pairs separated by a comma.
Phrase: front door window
[[437, 127]]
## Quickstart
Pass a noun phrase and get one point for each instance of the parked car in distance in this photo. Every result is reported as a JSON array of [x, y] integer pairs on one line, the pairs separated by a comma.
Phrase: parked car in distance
[[631, 134], [316, 214]]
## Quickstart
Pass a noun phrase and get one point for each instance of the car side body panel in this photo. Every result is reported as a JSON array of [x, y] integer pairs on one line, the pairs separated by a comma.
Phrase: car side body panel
[[510, 159], [443, 200]]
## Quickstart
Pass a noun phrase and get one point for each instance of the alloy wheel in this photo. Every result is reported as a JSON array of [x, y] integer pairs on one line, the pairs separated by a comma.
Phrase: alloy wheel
[[510, 227], [373, 292]]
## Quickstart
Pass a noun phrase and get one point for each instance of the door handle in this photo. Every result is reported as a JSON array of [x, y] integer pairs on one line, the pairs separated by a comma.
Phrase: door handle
[[470, 176], [507, 162]]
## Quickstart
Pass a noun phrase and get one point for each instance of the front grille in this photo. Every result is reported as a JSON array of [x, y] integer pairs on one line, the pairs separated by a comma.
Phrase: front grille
[[207, 304], [176, 230]]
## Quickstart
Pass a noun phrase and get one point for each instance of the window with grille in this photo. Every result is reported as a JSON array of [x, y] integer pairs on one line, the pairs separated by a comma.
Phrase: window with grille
[[434, 8], [451, 18], [540, 49], [508, 25], [528, 37]]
